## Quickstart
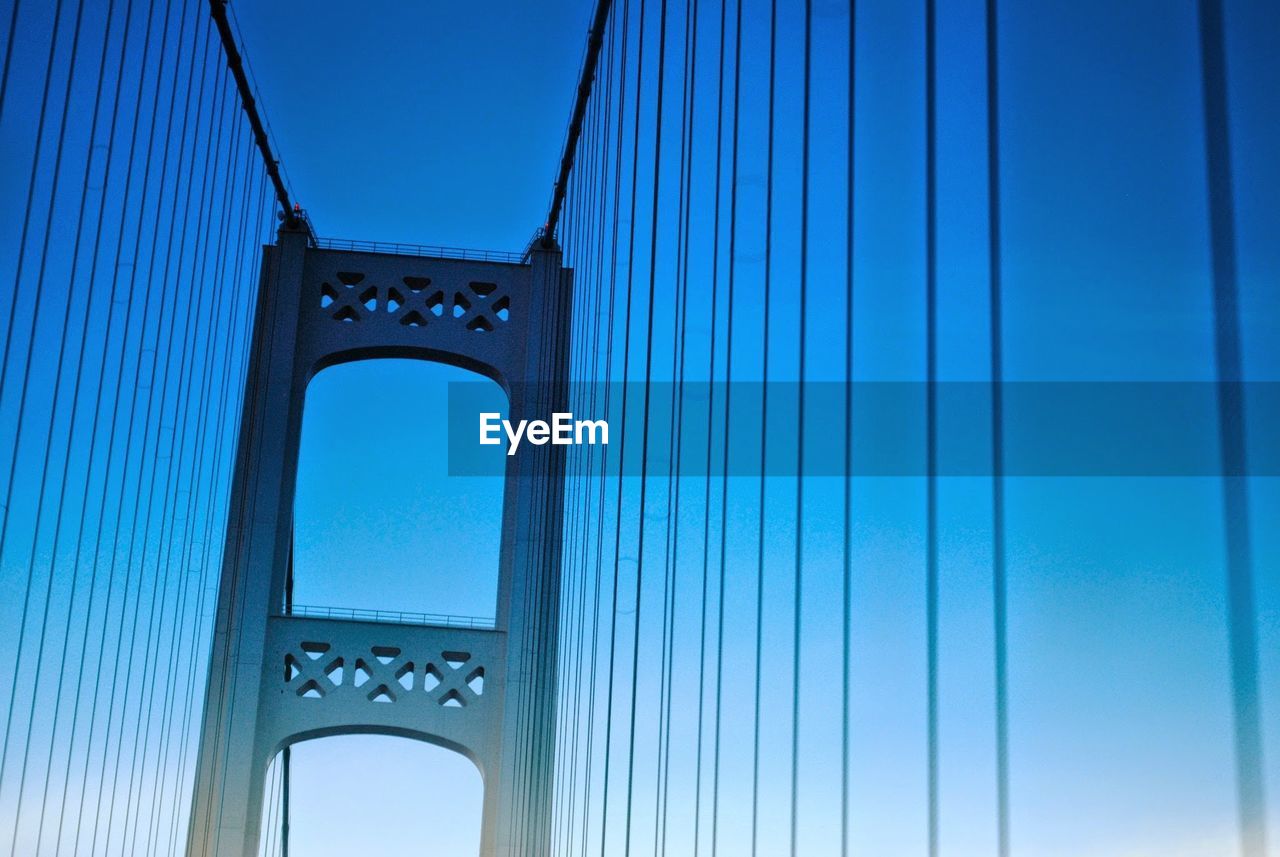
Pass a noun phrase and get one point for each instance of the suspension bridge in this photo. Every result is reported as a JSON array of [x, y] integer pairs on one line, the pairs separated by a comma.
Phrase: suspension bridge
[[765, 618]]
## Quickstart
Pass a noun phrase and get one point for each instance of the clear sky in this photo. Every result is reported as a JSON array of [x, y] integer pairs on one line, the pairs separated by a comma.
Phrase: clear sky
[[442, 124], [427, 123]]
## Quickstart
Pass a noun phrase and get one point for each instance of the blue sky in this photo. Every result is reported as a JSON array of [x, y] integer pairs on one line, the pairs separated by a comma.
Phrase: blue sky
[[427, 123], [441, 124]]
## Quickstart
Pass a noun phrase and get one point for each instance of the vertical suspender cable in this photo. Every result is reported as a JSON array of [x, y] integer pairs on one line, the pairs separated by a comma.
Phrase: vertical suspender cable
[[286, 755], [1241, 618], [676, 441], [8, 55], [728, 401], [997, 431], [711, 378], [764, 436], [846, 548], [286, 763], [797, 610], [931, 416]]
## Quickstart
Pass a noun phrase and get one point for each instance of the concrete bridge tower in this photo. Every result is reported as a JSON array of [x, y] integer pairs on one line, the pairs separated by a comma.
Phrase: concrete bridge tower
[[277, 679]]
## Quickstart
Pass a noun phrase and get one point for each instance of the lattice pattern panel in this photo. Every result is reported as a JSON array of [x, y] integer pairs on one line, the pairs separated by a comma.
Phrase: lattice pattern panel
[[385, 674], [350, 298]]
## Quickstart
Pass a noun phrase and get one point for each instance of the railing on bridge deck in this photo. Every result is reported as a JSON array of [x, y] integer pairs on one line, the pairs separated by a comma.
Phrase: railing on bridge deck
[[399, 249], [396, 617]]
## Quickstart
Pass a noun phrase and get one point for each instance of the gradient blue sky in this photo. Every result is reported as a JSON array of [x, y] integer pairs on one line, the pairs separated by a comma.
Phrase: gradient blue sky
[[430, 123], [441, 124]]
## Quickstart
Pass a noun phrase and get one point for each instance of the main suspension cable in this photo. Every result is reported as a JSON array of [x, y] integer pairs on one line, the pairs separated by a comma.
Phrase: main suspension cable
[[218, 9], [586, 81]]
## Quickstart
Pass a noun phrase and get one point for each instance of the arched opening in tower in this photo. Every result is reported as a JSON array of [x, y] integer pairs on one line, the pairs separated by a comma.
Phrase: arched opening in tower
[[396, 796], [382, 530]]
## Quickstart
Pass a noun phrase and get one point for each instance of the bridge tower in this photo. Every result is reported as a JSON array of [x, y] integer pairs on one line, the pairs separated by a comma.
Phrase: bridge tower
[[277, 679]]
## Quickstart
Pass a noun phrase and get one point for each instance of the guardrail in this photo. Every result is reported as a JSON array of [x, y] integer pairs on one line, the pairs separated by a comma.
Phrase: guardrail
[[397, 617], [399, 249]]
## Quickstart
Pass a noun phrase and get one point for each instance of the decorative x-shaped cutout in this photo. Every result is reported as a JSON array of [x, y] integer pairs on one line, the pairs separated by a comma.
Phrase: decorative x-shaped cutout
[[347, 300], [383, 675], [313, 671], [479, 306], [453, 680]]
